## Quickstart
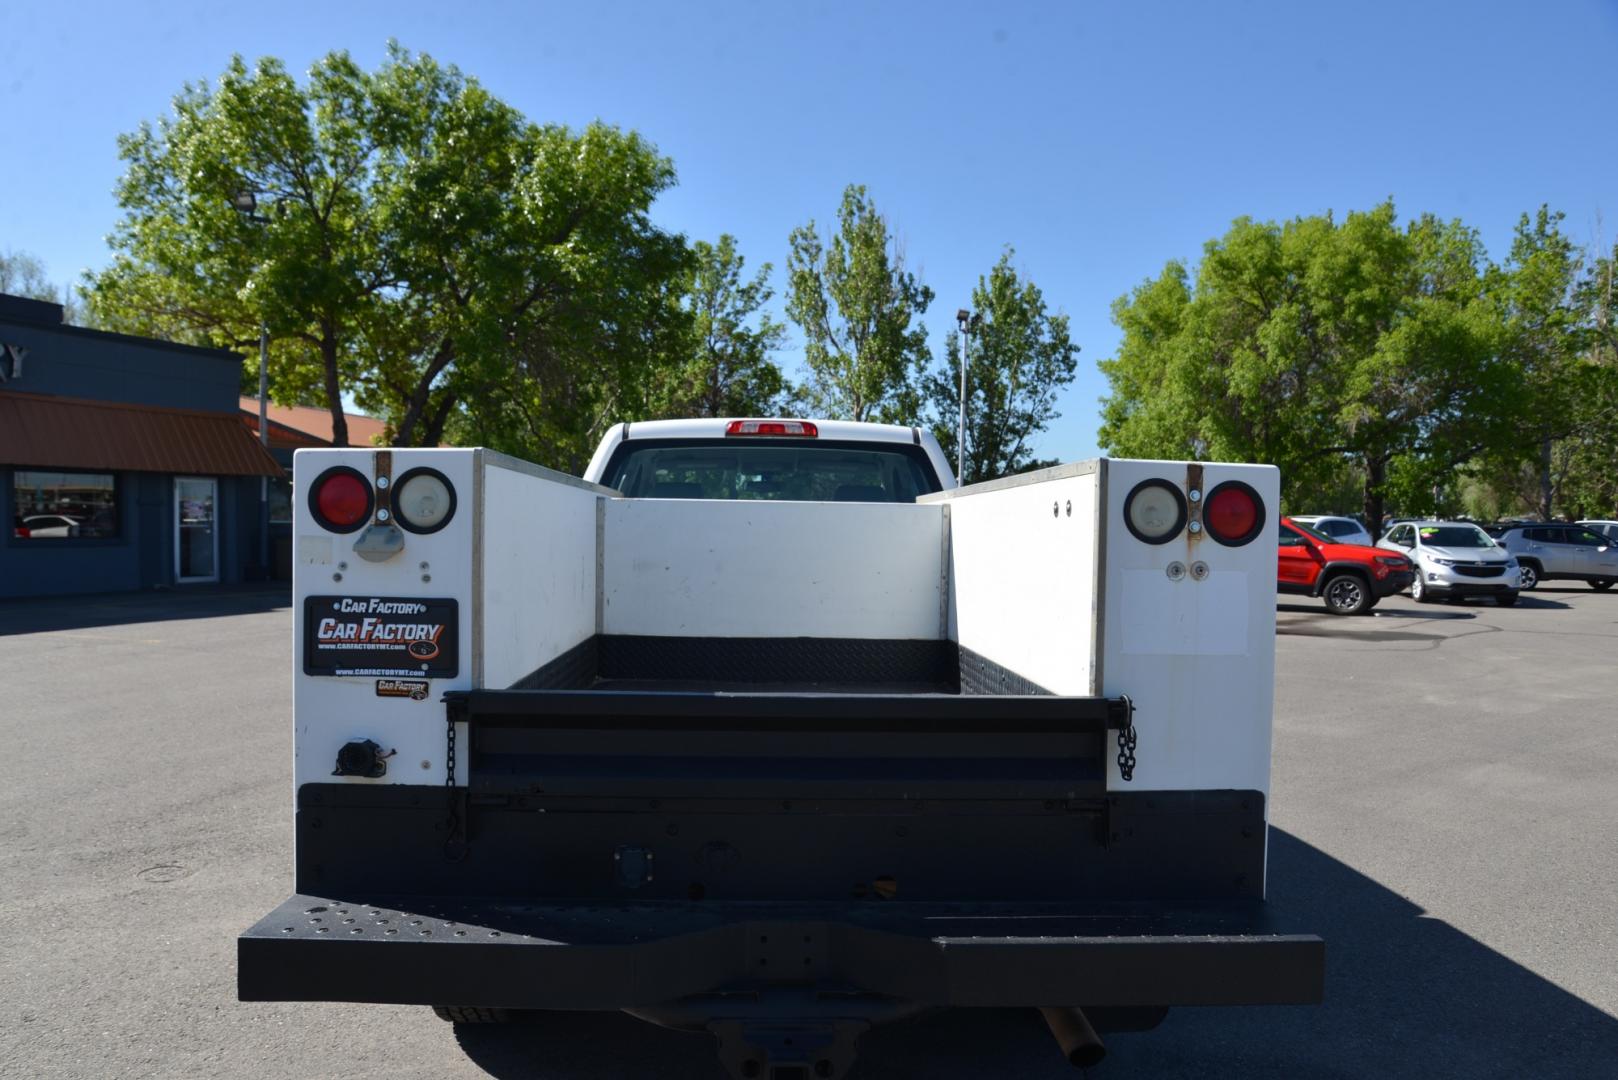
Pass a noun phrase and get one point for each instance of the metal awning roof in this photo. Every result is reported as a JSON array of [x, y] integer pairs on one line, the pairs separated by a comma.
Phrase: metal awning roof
[[305, 425], [42, 431]]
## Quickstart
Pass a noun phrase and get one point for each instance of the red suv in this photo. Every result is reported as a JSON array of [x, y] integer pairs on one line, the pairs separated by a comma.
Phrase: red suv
[[1350, 578]]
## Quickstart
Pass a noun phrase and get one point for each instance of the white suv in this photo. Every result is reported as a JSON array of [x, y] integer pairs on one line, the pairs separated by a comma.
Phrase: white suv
[[1344, 530], [1454, 559], [1609, 529]]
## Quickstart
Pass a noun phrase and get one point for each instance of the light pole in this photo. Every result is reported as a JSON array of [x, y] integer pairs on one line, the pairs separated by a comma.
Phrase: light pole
[[245, 202], [968, 322]]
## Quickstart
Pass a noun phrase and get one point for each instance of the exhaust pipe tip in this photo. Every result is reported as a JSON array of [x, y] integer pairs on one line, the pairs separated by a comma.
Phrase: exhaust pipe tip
[[1080, 1044]]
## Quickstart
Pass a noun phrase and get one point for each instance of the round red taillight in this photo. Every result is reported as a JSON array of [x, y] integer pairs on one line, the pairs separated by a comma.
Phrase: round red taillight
[[340, 499], [1233, 513]]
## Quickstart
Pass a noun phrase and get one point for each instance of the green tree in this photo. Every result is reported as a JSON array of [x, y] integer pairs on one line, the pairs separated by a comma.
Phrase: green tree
[[1591, 481], [23, 274], [860, 312], [1018, 359], [1321, 347], [727, 368], [189, 266], [1431, 391], [1547, 335], [419, 245], [540, 299]]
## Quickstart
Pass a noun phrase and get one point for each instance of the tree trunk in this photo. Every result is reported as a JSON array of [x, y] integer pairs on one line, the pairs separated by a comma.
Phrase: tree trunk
[[1376, 474], [420, 395], [1545, 486], [714, 405], [334, 389], [433, 433]]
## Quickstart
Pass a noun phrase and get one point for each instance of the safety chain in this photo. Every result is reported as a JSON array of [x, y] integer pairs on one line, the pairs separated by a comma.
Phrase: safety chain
[[1126, 752], [455, 846], [449, 753], [1123, 715]]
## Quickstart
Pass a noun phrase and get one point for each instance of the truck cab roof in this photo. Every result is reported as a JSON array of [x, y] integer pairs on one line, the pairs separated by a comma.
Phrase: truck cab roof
[[719, 430]]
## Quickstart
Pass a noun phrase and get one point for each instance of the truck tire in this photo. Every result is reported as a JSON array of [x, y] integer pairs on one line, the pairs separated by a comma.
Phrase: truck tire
[[472, 1014], [1530, 574], [1346, 594], [1420, 593], [1601, 584]]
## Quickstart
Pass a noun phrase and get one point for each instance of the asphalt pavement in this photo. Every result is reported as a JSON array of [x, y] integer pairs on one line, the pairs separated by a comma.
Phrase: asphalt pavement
[[1444, 813]]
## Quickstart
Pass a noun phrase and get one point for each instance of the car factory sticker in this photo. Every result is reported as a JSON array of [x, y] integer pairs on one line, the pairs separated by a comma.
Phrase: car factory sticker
[[385, 636], [414, 689]]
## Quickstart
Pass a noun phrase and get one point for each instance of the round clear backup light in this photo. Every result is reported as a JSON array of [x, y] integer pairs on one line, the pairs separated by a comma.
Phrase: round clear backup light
[[1155, 511], [423, 500]]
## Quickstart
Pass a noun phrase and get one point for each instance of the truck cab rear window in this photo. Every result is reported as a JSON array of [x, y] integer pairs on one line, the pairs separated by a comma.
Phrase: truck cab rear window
[[782, 470]]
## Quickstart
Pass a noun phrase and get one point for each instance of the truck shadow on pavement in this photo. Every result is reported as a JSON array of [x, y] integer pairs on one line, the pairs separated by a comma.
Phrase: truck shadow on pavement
[[1380, 613], [1347, 634], [1407, 995], [1524, 600], [1380, 627], [43, 614], [1466, 608]]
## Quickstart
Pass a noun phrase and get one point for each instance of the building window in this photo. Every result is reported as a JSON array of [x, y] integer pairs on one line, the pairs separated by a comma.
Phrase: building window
[[62, 505], [280, 502]]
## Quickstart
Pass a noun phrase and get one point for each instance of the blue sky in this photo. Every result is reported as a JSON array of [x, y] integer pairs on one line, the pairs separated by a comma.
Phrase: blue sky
[[1100, 140]]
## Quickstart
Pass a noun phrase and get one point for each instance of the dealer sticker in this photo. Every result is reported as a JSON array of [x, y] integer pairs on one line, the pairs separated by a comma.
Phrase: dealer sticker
[[414, 689], [388, 637]]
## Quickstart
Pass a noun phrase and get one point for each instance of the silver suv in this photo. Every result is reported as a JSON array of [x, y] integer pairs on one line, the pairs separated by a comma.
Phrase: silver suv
[[1609, 529], [1550, 550], [1454, 559]]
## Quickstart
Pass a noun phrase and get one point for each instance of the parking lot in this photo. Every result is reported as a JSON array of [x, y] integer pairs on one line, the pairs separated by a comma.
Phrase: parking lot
[[1445, 814]]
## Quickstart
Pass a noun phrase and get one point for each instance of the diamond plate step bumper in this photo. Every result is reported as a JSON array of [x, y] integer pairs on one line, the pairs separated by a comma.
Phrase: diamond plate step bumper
[[428, 951]]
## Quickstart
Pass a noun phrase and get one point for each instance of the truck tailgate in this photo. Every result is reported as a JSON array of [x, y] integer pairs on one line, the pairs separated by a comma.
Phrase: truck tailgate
[[678, 743]]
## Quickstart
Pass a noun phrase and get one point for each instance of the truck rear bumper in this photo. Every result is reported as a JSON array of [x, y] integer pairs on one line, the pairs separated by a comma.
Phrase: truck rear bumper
[[423, 951]]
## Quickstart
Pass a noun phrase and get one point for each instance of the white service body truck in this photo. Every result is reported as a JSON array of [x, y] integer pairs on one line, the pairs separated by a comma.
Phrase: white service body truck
[[767, 729]]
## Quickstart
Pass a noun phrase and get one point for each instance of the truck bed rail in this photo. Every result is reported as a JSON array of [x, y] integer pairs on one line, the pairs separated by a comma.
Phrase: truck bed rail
[[759, 711]]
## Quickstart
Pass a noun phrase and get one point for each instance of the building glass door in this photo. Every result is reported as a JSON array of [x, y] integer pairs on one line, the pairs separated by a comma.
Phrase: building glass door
[[196, 533]]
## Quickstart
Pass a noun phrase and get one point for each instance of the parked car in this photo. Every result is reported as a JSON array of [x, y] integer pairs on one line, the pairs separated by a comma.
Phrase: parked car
[[1344, 530], [1495, 528], [1455, 559], [50, 525], [1609, 529], [1549, 550], [1349, 578]]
